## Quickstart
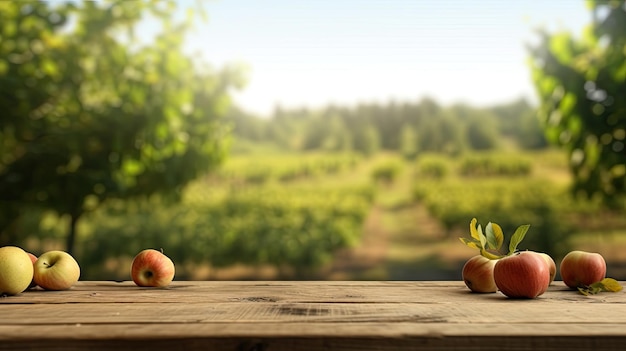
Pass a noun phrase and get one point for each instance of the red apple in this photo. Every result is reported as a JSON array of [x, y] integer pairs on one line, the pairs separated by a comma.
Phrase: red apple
[[522, 275], [551, 265], [478, 274], [152, 268], [33, 258], [56, 270], [581, 268]]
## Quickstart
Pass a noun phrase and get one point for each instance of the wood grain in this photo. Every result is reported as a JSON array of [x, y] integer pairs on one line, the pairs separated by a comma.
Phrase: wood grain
[[308, 316]]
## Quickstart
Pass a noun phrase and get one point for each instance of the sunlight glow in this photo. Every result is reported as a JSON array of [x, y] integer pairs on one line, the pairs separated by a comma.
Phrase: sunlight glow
[[345, 52]]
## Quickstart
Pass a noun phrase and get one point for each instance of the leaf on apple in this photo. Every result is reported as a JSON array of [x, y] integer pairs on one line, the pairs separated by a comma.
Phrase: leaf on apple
[[471, 243], [473, 231], [490, 242], [495, 236], [483, 239], [490, 254], [517, 237], [606, 284], [480, 241]]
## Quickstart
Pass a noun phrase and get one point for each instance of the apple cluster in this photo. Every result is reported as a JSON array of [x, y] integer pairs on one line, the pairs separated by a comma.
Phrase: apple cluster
[[21, 270], [528, 274], [58, 270], [524, 274]]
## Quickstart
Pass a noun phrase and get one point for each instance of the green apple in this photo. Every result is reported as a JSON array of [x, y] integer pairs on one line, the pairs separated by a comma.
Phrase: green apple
[[16, 270], [56, 270]]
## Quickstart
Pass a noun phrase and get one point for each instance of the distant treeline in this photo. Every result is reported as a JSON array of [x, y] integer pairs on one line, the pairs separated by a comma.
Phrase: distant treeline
[[406, 127]]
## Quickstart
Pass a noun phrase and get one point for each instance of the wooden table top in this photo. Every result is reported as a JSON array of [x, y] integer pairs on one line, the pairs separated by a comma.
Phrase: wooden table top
[[294, 315]]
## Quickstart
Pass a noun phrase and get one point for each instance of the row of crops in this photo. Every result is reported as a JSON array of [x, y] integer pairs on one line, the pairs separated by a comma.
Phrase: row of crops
[[297, 225], [306, 207], [500, 188]]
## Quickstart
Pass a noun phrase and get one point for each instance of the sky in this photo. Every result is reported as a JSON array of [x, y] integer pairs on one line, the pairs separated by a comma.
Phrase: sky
[[317, 52]]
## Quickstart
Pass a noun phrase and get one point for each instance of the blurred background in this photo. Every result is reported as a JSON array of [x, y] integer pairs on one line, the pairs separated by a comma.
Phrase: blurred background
[[311, 140]]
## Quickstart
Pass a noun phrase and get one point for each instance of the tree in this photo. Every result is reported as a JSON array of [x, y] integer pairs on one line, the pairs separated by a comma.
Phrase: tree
[[530, 135], [482, 132], [581, 83], [408, 142], [90, 112], [367, 139]]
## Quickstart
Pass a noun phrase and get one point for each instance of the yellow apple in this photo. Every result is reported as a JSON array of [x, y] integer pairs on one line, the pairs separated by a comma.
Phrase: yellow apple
[[56, 270], [16, 270]]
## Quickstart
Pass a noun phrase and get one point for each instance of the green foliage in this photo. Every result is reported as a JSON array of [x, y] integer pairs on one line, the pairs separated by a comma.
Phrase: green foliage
[[327, 133], [442, 133], [296, 227], [505, 201], [408, 128], [386, 171], [91, 113], [245, 170], [494, 164], [580, 82], [367, 140], [432, 166], [490, 242], [408, 143], [531, 136], [482, 133]]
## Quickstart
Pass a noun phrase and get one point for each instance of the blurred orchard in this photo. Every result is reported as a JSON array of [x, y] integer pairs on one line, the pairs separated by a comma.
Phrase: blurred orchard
[[111, 143]]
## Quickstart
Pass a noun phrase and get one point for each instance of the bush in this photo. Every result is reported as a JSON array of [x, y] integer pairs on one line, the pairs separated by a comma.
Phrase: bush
[[432, 167], [386, 171], [506, 202], [299, 228], [494, 165]]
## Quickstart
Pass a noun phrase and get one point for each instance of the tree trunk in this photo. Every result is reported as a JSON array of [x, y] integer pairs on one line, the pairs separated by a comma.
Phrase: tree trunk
[[71, 236]]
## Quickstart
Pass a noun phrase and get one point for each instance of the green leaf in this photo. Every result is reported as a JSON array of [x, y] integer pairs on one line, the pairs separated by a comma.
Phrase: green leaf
[[499, 235], [495, 236], [517, 237], [481, 236], [491, 240]]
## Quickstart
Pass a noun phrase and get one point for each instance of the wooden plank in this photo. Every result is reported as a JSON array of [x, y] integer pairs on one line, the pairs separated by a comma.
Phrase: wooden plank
[[522, 312], [307, 316], [231, 337], [350, 292]]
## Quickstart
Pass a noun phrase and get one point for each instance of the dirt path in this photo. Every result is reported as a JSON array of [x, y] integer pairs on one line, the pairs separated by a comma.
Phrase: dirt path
[[401, 242], [365, 260]]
